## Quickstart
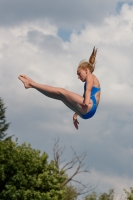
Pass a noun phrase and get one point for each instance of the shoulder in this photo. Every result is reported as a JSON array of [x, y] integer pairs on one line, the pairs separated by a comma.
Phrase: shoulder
[[90, 78], [89, 82], [96, 81]]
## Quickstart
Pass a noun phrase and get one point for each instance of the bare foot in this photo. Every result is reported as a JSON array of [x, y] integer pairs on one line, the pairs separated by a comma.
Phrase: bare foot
[[26, 81]]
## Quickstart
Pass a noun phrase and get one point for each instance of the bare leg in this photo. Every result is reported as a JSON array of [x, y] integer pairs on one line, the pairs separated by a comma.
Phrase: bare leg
[[70, 99]]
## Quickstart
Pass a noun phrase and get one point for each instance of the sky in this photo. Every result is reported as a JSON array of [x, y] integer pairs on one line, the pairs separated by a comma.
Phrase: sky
[[46, 40]]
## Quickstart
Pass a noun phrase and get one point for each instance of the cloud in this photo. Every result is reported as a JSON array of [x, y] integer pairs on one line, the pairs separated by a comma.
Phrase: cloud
[[34, 48], [105, 182], [66, 14]]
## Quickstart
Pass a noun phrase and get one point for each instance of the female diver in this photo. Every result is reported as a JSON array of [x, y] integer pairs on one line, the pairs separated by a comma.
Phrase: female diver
[[85, 106]]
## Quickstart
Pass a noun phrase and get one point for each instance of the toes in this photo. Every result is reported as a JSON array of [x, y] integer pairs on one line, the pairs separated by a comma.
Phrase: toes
[[27, 77], [24, 77], [21, 76]]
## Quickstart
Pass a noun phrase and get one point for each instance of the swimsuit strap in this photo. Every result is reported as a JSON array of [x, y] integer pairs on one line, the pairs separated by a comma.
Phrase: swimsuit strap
[[94, 89]]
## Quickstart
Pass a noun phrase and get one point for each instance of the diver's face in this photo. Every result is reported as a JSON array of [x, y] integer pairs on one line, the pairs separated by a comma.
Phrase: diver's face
[[82, 73]]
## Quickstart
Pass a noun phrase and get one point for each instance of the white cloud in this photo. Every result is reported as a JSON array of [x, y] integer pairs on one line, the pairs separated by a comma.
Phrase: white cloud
[[114, 38], [106, 182], [36, 50]]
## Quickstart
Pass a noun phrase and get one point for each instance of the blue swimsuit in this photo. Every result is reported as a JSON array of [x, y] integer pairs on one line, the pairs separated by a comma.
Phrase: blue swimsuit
[[93, 98]]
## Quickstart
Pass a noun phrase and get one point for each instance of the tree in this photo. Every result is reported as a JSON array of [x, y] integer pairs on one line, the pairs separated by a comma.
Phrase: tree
[[3, 125], [25, 174], [129, 195], [92, 196], [70, 193], [76, 162], [103, 196]]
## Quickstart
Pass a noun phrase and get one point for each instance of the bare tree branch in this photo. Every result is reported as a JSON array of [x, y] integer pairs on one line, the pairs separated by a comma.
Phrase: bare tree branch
[[76, 161], [58, 151]]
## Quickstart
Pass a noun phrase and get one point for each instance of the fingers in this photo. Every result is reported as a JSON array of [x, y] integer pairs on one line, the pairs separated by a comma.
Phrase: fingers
[[84, 106], [76, 126], [76, 123]]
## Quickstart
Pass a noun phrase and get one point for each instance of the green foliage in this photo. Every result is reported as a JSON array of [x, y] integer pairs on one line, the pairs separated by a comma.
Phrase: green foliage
[[107, 196], [25, 174], [92, 196], [103, 196], [3, 125], [129, 195], [71, 193]]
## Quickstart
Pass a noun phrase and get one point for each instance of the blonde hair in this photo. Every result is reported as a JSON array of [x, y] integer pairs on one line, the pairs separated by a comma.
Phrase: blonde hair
[[91, 63]]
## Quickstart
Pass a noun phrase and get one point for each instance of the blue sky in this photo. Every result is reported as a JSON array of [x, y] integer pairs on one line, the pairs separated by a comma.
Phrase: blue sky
[[64, 34]]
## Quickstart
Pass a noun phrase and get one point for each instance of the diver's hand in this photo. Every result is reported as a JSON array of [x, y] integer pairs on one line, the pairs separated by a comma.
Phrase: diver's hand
[[84, 105], [75, 121]]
